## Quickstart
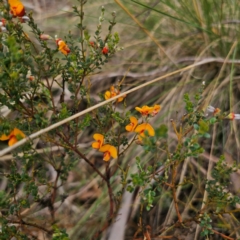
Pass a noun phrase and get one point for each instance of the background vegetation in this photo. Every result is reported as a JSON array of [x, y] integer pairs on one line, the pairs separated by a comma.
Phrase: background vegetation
[[193, 46]]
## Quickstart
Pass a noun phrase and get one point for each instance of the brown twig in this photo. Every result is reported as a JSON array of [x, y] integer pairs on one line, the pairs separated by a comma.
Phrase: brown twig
[[222, 235], [174, 174], [32, 225], [108, 176], [74, 148], [54, 194]]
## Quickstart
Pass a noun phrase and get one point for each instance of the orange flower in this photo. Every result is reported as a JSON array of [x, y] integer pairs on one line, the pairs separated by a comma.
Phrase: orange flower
[[233, 116], [156, 109], [112, 93], [16, 8], [145, 127], [62, 46], [14, 136], [99, 140], [107, 95], [131, 126], [105, 50], [145, 110], [109, 151]]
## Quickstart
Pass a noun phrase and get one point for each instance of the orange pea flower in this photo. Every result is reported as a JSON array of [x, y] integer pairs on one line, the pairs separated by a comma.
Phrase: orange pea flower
[[112, 93], [109, 151], [233, 116], [145, 127], [156, 109], [14, 136], [16, 8], [145, 110], [62, 46], [99, 141], [132, 125]]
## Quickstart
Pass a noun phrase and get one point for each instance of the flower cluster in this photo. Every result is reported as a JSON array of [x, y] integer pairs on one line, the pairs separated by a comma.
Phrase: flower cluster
[[17, 10], [146, 110], [112, 93], [143, 127], [14, 136], [62, 46], [108, 150]]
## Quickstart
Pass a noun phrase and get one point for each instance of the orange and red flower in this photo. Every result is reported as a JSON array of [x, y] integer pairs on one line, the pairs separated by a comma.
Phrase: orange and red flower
[[109, 151], [16, 8], [62, 46], [156, 109], [112, 93], [141, 129], [132, 125], [99, 141], [14, 136], [145, 127], [145, 110]]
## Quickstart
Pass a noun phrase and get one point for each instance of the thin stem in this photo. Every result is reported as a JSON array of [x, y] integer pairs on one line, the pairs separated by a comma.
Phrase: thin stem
[[111, 204], [74, 148], [31, 224], [174, 174]]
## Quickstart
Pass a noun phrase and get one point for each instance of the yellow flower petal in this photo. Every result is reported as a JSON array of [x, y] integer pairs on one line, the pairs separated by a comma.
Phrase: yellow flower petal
[[120, 99], [18, 133], [156, 109], [112, 93], [145, 110], [63, 47], [145, 127], [96, 145], [4, 137], [108, 151], [107, 95], [106, 156], [150, 129], [112, 89], [14, 136], [99, 140], [12, 141], [132, 125]]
